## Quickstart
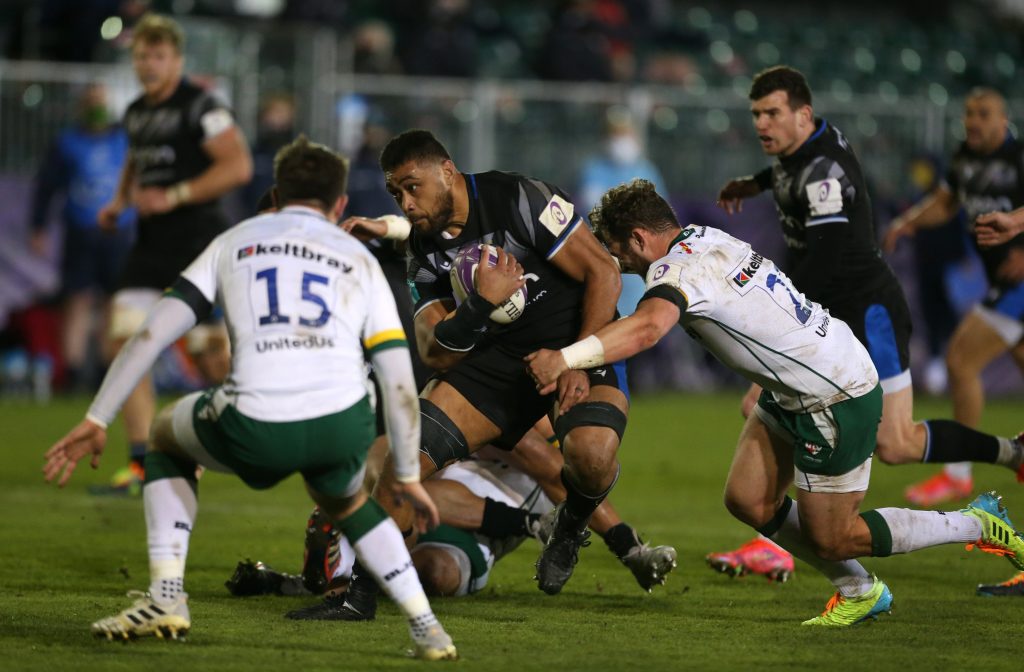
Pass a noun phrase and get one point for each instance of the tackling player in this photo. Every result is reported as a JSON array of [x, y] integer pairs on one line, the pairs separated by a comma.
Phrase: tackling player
[[303, 301], [814, 423], [826, 219], [482, 394], [185, 152]]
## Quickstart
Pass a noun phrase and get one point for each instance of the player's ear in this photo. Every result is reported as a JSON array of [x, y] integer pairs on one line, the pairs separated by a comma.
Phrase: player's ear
[[449, 171], [339, 207]]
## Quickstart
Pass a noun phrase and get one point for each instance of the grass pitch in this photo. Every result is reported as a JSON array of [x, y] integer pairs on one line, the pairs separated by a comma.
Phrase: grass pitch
[[67, 558]]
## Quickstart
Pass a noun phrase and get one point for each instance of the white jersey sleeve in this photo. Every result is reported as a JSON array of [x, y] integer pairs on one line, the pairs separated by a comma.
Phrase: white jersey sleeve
[[385, 343]]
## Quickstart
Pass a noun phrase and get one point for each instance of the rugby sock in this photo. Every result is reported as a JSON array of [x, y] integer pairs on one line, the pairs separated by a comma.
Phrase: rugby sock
[[137, 452], [621, 539], [501, 521], [848, 576], [170, 506], [381, 551], [579, 506], [958, 470], [910, 530], [948, 441]]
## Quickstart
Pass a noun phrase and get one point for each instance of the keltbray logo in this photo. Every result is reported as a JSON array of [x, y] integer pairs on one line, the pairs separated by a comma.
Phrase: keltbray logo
[[749, 270], [291, 250]]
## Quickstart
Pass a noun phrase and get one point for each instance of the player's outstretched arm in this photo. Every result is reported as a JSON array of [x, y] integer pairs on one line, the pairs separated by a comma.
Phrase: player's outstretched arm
[[731, 196], [935, 209], [621, 339], [996, 228], [389, 227]]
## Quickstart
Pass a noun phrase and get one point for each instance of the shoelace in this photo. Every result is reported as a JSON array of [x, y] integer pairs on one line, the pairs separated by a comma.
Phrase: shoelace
[[836, 600]]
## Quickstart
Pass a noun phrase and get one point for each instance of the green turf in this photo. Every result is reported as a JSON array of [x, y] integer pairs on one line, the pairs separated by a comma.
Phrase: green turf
[[66, 559]]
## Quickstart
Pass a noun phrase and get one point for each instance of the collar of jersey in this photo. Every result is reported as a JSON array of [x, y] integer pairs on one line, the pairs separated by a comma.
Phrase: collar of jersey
[[814, 136], [304, 210], [678, 239]]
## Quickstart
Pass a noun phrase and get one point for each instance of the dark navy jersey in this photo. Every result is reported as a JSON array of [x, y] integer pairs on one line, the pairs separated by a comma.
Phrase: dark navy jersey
[[166, 143], [987, 183], [825, 210], [529, 219]]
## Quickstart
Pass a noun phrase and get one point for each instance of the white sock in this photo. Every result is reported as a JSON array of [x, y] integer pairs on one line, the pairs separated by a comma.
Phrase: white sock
[[1011, 453], [383, 553], [764, 538], [958, 470], [171, 506], [848, 576], [912, 530]]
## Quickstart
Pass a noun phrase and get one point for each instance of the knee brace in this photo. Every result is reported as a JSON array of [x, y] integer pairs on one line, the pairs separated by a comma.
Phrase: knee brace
[[440, 439], [590, 414]]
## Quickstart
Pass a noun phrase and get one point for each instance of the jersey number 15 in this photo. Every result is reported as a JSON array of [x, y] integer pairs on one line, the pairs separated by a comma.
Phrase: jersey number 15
[[308, 280]]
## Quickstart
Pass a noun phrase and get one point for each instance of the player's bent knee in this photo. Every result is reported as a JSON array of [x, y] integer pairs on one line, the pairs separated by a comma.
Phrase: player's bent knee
[[754, 513], [441, 440], [161, 433]]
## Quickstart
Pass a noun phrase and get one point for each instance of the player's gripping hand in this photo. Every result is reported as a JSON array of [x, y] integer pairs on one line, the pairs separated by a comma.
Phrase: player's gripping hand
[[87, 438], [573, 387], [545, 367], [996, 228], [365, 228], [730, 198], [427, 515], [497, 283]]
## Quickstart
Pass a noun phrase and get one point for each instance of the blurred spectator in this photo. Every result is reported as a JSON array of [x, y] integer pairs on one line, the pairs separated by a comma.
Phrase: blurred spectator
[[436, 37], [589, 40], [276, 128], [84, 165], [374, 45], [669, 67]]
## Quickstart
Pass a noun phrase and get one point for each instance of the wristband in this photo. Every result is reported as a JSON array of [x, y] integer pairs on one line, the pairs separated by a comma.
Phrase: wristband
[[398, 228], [585, 354], [96, 421], [467, 326], [179, 194]]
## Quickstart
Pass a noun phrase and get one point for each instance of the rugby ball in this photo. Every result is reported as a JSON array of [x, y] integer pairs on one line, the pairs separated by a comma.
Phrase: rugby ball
[[463, 275]]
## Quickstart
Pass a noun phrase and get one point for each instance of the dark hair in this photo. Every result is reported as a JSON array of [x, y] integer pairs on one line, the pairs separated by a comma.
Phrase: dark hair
[[630, 206], [412, 145], [782, 78], [307, 171]]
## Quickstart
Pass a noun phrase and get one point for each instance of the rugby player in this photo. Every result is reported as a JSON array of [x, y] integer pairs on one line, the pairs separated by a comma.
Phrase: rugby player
[[825, 212], [185, 152], [986, 174], [481, 393], [814, 424], [303, 301]]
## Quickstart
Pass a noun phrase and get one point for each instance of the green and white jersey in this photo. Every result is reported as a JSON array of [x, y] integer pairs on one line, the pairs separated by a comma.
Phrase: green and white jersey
[[744, 310], [305, 304]]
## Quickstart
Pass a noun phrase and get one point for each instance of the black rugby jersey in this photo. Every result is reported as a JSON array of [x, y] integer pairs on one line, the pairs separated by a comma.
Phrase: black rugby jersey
[[986, 183], [825, 210], [166, 143], [529, 219]]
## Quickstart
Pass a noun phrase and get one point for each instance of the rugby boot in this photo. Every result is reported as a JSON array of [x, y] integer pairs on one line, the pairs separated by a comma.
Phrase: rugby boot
[[255, 578], [758, 556], [561, 552], [433, 643], [998, 535], [845, 611], [1013, 587], [650, 564], [146, 618], [939, 489], [322, 552]]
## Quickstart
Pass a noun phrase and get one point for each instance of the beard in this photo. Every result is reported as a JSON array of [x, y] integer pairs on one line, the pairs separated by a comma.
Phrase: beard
[[444, 210]]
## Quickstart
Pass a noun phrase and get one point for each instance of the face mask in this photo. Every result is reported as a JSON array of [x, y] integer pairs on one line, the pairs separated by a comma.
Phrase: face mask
[[96, 116], [624, 149]]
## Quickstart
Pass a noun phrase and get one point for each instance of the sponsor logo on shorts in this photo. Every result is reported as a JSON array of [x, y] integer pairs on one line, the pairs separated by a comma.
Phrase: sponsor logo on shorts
[[291, 250], [812, 448]]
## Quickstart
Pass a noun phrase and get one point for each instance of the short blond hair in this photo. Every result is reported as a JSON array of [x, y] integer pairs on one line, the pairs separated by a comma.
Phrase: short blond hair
[[154, 29]]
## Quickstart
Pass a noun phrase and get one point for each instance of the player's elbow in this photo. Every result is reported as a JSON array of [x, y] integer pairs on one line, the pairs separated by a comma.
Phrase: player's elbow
[[242, 168], [646, 335]]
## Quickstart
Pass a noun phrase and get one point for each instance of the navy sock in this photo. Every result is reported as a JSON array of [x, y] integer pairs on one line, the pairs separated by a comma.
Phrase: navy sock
[[949, 441]]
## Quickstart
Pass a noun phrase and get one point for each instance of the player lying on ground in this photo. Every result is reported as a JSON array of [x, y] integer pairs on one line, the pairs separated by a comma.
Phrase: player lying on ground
[[470, 504], [815, 422], [303, 301]]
